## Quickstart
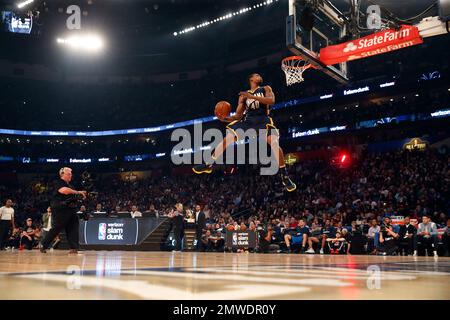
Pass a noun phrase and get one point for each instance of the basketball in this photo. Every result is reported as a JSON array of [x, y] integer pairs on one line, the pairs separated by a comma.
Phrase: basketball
[[222, 109]]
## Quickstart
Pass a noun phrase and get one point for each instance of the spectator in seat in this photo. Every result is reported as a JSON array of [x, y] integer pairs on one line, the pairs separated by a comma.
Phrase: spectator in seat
[[204, 243], [446, 238], [99, 209], [265, 239], [388, 238], [27, 238], [426, 235], [406, 236], [135, 213], [356, 241], [314, 237], [14, 239], [115, 213], [337, 245], [216, 242], [153, 210], [298, 235], [328, 231], [373, 230], [82, 212]]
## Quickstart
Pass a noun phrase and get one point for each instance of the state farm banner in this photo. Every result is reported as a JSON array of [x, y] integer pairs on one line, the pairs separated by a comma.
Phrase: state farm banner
[[371, 45]]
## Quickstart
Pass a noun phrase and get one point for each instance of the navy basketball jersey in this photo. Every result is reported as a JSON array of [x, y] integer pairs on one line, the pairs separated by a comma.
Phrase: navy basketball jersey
[[254, 107]]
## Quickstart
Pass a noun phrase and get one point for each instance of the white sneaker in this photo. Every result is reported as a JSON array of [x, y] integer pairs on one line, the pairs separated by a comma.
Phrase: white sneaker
[[435, 254], [415, 254], [321, 251], [310, 250]]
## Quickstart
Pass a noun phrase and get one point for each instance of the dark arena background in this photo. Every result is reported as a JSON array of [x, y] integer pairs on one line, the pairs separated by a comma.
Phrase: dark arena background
[[108, 124]]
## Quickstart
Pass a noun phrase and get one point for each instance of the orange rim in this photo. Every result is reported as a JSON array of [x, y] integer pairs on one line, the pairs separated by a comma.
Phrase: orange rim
[[298, 58]]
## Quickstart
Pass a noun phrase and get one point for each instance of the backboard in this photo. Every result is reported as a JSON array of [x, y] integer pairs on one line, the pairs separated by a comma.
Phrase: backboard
[[312, 25]]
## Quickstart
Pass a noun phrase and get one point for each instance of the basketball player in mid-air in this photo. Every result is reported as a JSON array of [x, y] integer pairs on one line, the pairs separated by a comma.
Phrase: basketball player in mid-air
[[253, 112]]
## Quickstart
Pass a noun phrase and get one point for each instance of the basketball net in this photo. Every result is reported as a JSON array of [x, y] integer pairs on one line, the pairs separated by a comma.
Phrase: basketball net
[[293, 68]]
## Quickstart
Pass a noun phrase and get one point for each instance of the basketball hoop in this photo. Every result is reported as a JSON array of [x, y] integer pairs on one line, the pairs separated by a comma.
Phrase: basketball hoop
[[293, 68]]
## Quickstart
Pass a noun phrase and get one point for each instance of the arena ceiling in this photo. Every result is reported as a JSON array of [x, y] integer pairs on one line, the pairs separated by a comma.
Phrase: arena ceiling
[[139, 33]]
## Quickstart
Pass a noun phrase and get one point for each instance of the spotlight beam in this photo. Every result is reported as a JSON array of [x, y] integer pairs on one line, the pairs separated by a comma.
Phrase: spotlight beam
[[224, 17], [24, 3], [82, 42]]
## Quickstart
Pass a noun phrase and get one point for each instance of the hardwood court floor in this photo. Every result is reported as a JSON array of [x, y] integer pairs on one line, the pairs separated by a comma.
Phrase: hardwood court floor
[[224, 276]]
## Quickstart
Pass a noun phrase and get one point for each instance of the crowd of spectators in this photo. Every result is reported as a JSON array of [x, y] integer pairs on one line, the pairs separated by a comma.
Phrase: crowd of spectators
[[330, 203]]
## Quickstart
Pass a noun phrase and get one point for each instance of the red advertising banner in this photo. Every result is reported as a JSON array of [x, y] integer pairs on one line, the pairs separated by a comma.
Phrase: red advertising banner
[[371, 45]]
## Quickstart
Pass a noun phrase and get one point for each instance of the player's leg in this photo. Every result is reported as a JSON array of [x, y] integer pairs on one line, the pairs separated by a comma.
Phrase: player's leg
[[273, 140], [229, 139], [72, 233]]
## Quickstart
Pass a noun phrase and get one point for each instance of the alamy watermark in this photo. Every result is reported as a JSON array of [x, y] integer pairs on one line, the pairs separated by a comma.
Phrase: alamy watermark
[[73, 281], [73, 22], [373, 17], [374, 278]]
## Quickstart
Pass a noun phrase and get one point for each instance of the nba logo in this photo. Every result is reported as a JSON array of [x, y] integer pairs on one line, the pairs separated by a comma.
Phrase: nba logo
[[235, 239], [102, 231]]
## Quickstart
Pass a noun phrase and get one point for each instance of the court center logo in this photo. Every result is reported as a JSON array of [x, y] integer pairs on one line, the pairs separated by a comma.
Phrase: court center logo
[[102, 231], [252, 147]]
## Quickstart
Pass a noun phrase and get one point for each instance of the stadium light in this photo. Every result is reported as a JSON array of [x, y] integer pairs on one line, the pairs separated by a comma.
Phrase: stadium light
[[224, 17], [24, 3], [86, 43]]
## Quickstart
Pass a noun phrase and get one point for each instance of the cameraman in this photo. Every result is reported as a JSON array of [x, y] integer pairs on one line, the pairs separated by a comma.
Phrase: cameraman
[[64, 215], [265, 238], [388, 238]]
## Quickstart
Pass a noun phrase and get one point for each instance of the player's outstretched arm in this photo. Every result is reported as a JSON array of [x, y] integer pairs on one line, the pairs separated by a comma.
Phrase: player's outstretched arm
[[239, 111]]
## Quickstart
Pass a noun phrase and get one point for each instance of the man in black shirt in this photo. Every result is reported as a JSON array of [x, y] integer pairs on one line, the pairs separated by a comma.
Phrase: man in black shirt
[[200, 225], [406, 237], [28, 236], [64, 211], [177, 217]]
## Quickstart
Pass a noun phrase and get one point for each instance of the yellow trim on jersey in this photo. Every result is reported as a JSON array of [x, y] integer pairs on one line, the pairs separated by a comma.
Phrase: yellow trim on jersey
[[252, 92], [232, 130], [273, 126]]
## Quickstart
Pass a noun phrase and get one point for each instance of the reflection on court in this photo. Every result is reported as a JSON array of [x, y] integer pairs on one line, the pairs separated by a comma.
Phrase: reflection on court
[[164, 275]]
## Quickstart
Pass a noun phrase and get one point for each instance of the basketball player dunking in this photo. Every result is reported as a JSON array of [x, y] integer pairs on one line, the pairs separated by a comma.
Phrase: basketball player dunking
[[253, 112]]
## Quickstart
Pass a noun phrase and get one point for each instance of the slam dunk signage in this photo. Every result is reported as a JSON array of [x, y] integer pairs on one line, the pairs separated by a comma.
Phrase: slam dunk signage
[[109, 231], [241, 239]]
